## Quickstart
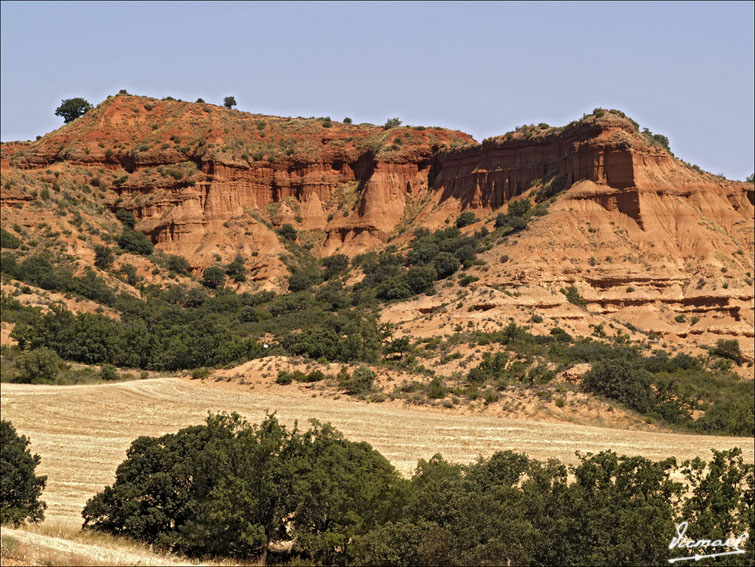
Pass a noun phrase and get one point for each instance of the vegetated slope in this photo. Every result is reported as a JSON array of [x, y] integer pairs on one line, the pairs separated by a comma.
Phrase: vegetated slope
[[82, 432], [645, 239]]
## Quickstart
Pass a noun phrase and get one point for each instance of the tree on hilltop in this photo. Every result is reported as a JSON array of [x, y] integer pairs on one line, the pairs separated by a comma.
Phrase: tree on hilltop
[[392, 123], [72, 108], [229, 102]]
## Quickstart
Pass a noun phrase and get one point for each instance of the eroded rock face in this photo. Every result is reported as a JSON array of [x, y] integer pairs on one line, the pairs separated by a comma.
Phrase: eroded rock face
[[207, 183], [306, 170]]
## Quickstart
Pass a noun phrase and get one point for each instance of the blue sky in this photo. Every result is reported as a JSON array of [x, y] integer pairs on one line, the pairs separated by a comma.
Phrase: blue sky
[[681, 69]]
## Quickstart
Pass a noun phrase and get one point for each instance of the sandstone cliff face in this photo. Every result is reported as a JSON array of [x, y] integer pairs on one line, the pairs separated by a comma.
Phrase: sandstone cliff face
[[244, 163], [207, 183]]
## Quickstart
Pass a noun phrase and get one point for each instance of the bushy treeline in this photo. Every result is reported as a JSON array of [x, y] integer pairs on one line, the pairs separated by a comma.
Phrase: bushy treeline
[[231, 489], [39, 270], [661, 386], [175, 328], [392, 275]]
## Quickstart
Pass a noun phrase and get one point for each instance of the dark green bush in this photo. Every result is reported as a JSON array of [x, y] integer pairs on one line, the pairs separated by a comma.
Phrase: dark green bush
[[287, 231], [213, 277], [126, 217], [466, 218], [38, 366], [623, 381], [573, 296], [236, 270], [108, 372], [103, 257], [360, 382], [445, 264], [8, 240], [177, 264], [728, 349], [20, 488], [136, 242]]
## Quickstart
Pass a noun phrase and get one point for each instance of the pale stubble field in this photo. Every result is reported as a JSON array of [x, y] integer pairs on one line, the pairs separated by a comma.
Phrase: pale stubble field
[[82, 432]]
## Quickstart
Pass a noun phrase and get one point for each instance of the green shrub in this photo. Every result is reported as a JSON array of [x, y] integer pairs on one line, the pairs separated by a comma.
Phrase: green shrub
[[445, 264], [623, 381], [213, 277], [38, 366], [109, 372], [8, 240], [20, 488], [435, 389], [360, 382], [103, 257], [728, 349], [236, 269], [302, 279], [466, 218], [177, 264], [573, 296], [391, 123], [420, 278], [519, 208], [287, 231], [284, 378], [136, 242]]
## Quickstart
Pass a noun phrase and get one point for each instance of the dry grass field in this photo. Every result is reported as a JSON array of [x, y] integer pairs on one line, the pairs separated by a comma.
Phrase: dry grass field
[[82, 432]]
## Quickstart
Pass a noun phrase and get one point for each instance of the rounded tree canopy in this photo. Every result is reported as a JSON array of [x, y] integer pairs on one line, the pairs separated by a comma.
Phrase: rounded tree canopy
[[72, 108]]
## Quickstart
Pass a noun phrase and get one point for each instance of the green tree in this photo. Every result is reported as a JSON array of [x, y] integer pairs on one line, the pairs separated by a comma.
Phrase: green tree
[[722, 499], [229, 102], [213, 277], [619, 511], [38, 366], [178, 264], [466, 218], [623, 381], [392, 123], [8, 240], [20, 488], [303, 279], [519, 208], [236, 269], [108, 372], [341, 490], [126, 217], [728, 349], [72, 108], [103, 256], [335, 266], [136, 242], [360, 382], [445, 264], [394, 287], [245, 482], [287, 231], [421, 278]]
